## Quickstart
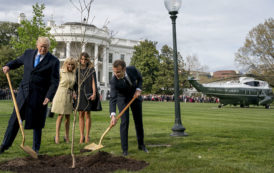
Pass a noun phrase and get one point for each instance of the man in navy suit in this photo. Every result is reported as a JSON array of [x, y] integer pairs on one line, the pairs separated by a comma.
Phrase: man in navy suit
[[127, 82], [37, 88]]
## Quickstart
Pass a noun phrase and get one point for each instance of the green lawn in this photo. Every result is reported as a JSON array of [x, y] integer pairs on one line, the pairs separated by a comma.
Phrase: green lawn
[[230, 139]]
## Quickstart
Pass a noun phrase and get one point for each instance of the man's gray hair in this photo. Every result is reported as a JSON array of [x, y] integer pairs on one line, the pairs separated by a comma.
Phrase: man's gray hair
[[44, 40]]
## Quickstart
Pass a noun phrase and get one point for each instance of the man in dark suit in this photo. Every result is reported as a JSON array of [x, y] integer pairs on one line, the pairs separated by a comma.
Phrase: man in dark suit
[[37, 88], [127, 82]]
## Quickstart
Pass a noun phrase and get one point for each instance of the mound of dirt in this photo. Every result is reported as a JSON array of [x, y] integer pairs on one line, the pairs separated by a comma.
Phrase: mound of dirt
[[101, 162]]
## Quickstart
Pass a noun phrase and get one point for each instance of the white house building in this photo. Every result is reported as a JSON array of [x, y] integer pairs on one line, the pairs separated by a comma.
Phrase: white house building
[[73, 38]]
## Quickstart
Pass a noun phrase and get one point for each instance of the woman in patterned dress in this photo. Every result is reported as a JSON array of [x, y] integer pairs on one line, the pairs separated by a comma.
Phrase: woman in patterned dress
[[88, 88], [62, 101]]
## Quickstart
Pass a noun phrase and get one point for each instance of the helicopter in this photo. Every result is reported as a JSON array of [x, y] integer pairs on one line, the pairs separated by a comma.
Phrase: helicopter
[[244, 92]]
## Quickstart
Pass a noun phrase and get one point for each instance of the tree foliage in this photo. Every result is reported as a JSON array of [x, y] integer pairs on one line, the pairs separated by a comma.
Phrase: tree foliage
[[7, 54], [29, 31], [256, 56], [164, 83], [158, 69], [7, 31], [183, 73], [145, 58]]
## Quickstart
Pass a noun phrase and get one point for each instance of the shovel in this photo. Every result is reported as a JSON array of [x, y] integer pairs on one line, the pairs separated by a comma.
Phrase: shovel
[[27, 149], [94, 146]]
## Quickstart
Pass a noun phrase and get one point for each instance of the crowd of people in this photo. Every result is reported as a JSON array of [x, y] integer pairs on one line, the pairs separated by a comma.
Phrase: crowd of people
[[70, 88], [182, 98], [5, 94]]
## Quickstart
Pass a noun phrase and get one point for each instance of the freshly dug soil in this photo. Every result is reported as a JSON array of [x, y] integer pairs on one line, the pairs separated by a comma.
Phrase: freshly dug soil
[[101, 162]]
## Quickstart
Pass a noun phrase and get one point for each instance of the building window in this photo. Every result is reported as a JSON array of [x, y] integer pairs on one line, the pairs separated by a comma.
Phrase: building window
[[122, 57], [99, 76], [109, 75], [100, 57], [110, 55]]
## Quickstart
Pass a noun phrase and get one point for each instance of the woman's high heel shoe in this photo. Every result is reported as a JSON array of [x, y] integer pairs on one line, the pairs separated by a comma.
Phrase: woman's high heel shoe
[[87, 140], [55, 140], [82, 141], [66, 140]]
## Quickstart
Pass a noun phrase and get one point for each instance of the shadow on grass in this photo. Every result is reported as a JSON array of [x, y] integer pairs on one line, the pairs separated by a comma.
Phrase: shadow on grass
[[251, 107]]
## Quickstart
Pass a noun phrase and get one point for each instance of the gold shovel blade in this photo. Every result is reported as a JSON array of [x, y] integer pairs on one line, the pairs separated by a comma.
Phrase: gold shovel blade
[[93, 147], [30, 151]]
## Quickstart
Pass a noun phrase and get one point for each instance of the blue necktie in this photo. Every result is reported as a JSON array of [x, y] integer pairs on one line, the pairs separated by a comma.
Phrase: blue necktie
[[37, 60]]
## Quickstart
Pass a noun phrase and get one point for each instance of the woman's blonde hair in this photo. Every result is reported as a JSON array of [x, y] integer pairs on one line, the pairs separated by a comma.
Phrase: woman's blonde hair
[[85, 54], [69, 61]]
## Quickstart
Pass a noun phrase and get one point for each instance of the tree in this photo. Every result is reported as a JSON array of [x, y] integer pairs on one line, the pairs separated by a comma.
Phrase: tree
[[193, 65], [145, 58], [7, 31], [83, 7], [7, 54], [183, 74], [164, 83], [29, 31], [165, 76], [257, 54]]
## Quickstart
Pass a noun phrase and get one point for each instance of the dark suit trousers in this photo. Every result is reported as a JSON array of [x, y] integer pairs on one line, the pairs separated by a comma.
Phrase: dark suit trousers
[[13, 128], [136, 108]]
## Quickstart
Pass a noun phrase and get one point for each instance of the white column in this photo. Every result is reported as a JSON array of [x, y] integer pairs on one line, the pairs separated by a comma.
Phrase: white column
[[84, 47], [54, 52], [96, 59], [104, 65], [68, 49]]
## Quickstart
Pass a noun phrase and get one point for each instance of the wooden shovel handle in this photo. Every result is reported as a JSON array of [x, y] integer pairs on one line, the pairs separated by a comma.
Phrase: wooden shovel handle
[[117, 118], [125, 108], [16, 108]]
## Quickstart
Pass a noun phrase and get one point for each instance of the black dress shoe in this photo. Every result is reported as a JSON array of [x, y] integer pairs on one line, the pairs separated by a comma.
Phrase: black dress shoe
[[2, 149], [37, 152], [125, 153], [143, 147]]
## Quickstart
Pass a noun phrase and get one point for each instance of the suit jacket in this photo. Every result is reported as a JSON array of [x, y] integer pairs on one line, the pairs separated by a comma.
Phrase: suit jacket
[[37, 84], [119, 91]]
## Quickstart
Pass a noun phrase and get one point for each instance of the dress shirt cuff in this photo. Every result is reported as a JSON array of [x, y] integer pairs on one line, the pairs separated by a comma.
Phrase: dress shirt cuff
[[112, 114]]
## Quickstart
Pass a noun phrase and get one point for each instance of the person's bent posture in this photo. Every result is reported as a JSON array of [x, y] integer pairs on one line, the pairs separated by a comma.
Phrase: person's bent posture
[[127, 82]]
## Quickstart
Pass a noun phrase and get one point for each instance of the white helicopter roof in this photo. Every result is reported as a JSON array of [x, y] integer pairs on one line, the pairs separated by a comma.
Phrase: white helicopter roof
[[243, 82]]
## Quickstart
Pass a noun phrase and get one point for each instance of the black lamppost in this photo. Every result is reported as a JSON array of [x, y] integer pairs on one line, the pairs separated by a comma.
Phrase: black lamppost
[[173, 6]]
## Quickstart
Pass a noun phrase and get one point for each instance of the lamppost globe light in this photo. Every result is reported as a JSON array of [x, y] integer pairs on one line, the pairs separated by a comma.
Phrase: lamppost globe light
[[173, 5]]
